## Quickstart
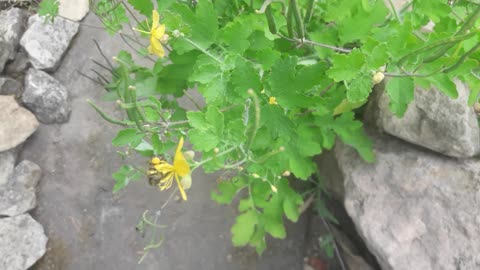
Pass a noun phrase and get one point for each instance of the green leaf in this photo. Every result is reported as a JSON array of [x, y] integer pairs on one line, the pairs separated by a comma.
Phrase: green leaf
[[401, 93], [359, 89], [145, 7], [346, 66], [226, 192], [164, 4], [205, 70], [351, 132], [127, 136], [444, 84], [203, 24], [123, 176], [243, 229], [48, 9]]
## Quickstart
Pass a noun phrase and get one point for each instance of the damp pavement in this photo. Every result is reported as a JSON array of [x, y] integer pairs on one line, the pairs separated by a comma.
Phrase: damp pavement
[[91, 228]]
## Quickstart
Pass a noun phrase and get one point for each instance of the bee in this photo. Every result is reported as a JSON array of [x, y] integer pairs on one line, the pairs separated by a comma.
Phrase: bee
[[153, 175]]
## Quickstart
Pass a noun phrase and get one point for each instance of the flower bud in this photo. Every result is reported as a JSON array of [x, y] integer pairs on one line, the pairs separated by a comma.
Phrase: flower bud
[[177, 33], [286, 173], [164, 39], [256, 176], [186, 181], [281, 148], [216, 150], [190, 155], [378, 77], [273, 188]]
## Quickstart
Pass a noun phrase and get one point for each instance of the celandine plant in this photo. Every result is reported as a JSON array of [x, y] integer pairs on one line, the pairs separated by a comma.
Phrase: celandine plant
[[280, 80]]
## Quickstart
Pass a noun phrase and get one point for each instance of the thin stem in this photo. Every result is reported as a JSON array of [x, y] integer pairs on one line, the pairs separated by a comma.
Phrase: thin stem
[[337, 252], [196, 165], [394, 10], [462, 59], [306, 41], [192, 100], [256, 124], [202, 50]]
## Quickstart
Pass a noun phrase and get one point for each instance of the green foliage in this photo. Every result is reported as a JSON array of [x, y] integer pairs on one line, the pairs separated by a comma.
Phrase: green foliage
[[280, 85], [48, 9]]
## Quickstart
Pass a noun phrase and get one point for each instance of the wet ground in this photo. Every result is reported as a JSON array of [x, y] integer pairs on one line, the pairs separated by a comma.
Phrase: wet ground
[[90, 228]]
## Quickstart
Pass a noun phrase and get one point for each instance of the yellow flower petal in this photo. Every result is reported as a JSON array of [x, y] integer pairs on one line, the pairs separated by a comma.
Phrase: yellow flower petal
[[180, 164], [166, 181], [164, 168], [156, 47], [158, 32], [155, 19], [180, 187], [272, 101]]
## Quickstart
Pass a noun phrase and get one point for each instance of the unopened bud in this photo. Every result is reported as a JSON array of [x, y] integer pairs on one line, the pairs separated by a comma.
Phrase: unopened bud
[[286, 173], [256, 176], [240, 168], [118, 101], [263, 91], [274, 189], [378, 77], [190, 155], [177, 33], [186, 181], [132, 87], [281, 148], [164, 38], [250, 92], [216, 150]]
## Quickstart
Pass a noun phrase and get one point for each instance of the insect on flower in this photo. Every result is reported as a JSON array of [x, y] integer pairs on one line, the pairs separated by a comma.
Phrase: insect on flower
[[157, 35], [165, 173]]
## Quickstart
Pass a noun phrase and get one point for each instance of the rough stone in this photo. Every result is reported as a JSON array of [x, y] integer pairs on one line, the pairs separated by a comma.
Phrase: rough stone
[[17, 123], [22, 242], [19, 65], [46, 97], [413, 208], [433, 120], [9, 86], [7, 163], [73, 9], [46, 42], [12, 26], [27, 173], [17, 196]]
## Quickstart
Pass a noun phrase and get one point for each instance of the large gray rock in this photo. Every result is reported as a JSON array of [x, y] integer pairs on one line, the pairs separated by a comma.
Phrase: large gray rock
[[46, 42], [19, 65], [7, 163], [12, 26], [46, 97], [17, 196], [433, 120], [17, 123], [73, 9], [22, 242], [413, 208], [9, 86]]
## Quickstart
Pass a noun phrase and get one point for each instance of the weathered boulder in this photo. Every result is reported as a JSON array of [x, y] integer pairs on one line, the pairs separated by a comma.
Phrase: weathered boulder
[[46, 42], [73, 9], [22, 242], [12, 26], [433, 120], [46, 97], [7, 163], [17, 123], [17, 196], [413, 208], [9, 86], [19, 65]]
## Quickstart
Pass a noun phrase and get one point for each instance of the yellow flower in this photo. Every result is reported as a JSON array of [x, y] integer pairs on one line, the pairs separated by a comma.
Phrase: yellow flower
[[272, 101], [157, 34], [178, 170]]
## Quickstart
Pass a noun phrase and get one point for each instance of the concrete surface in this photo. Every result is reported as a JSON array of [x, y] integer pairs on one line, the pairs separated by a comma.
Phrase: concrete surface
[[89, 228]]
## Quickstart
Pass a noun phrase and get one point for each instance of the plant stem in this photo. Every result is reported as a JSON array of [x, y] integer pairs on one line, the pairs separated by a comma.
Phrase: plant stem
[[256, 124], [196, 165], [202, 50], [306, 41], [394, 10]]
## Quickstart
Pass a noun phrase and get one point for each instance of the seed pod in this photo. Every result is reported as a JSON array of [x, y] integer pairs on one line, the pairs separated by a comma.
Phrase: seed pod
[[270, 20]]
